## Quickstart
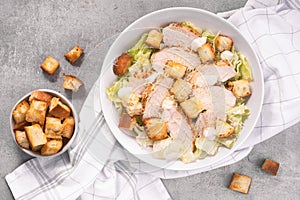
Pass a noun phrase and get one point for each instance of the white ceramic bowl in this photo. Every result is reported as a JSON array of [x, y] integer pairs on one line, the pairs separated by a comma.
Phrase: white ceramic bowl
[[73, 113], [204, 20]]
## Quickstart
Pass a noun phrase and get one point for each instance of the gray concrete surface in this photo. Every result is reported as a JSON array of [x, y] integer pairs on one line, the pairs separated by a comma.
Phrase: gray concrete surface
[[30, 30]]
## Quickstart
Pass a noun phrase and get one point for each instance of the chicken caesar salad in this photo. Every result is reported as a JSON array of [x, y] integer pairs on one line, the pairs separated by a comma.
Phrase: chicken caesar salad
[[182, 91]]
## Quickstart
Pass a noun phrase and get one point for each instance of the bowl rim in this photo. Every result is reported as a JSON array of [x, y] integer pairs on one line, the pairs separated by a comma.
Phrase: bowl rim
[[216, 17], [65, 101]]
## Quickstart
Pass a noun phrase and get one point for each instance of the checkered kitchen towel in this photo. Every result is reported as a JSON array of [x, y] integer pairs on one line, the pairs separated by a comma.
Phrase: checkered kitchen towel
[[94, 170]]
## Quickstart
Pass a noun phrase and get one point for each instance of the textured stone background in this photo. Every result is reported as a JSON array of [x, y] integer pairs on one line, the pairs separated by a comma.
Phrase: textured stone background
[[30, 30]]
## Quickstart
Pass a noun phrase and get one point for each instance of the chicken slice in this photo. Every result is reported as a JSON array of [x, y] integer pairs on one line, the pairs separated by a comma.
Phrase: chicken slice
[[222, 72], [179, 35], [177, 55]]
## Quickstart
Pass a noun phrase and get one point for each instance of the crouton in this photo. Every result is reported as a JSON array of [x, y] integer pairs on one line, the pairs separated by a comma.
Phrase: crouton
[[51, 147], [156, 129], [223, 129], [58, 109], [21, 139], [37, 112], [19, 113], [35, 136], [68, 127], [133, 105], [53, 127], [175, 70], [181, 89], [40, 96], [121, 64], [126, 122], [72, 83], [74, 54], [20, 126], [240, 88], [270, 166], [206, 53], [192, 107], [50, 65], [223, 43], [154, 39], [240, 183]]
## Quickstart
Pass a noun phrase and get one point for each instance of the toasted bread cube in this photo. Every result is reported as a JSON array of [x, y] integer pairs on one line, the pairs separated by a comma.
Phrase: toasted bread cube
[[74, 54], [181, 89], [223, 43], [240, 183], [68, 127], [122, 64], [19, 113], [50, 65], [154, 39], [270, 166], [156, 129], [20, 126], [53, 127], [58, 109], [51, 147], [192, 107], [72, 83], [21, 139], [126, 122], [175, 70], [206, 53], [40, 96], [223, 129], [240, 88], [37, 112], [35, 136]]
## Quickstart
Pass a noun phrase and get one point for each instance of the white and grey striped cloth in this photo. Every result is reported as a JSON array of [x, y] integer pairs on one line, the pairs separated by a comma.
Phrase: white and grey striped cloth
[[98, 168]]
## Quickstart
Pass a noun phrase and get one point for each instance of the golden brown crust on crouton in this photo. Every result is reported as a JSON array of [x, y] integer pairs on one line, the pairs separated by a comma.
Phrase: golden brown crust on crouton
[[72, 83], [175, 70], [223, 43], [19, 113], [181, 90], [223, 129], [270, 166], [121, 64], [40, 96], [192, 107], [154, 39], [37, 112], [74, 54], [20, 126], [68, 127], [156, 129], [53, 127], [21, 139], [35, 136], [58, 109], [206, 53], [50, 65], [240, 183], [240, 88], [51, 147]]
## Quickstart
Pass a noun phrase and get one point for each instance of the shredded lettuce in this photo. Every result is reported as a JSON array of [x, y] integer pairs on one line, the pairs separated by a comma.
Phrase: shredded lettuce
[[228, 141], [192, 26], [140, 50], [209, 146], [241, 65], [112, 92], [209, 35], [236, 116]]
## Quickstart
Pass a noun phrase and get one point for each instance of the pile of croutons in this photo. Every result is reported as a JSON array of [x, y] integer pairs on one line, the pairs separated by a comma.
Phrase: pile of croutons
[[43, 123]]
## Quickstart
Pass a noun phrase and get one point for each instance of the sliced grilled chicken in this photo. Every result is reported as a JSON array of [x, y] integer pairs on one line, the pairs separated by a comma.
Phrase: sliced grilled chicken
[[177, 55], [179, 35], [154, 101]]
